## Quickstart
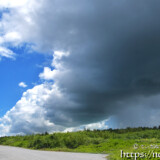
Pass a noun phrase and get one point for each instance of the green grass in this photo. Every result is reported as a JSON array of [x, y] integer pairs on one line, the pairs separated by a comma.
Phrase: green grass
[[107, 141]]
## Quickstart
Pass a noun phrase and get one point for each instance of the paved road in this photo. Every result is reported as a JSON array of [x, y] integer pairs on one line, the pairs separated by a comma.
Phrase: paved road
[[12, 153]]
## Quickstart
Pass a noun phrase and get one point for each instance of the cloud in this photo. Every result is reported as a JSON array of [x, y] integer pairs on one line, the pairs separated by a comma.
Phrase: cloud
[[7, 53], [99, 125], [22, 84], [106, 60], [13, 14], [10, 3], [47, 74], [12, 37], [29, 113]]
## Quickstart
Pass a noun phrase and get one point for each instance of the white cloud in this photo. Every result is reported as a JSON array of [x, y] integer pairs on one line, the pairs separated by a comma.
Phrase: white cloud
[[11, 3], [98, 125], [47, 74], [22, 84], [4, 52], [12, 37], [29, 113], [14, 23]]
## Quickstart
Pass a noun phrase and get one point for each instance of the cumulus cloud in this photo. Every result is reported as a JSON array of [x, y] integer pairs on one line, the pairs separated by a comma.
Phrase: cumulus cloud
[[22, 84], [47, 74], [29, 113], [106, 60]]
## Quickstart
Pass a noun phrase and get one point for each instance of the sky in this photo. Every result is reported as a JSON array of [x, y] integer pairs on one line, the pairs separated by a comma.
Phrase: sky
[[70, 65], [24, 69]]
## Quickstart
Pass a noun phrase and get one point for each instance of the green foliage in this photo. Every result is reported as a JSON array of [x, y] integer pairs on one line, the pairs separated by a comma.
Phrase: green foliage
[[98, 141]]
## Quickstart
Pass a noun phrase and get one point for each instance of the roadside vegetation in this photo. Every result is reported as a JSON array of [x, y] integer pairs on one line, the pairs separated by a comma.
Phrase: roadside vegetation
[[110, 141]]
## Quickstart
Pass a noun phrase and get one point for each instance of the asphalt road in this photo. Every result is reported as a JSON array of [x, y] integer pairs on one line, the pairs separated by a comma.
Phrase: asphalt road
[[13, 153]]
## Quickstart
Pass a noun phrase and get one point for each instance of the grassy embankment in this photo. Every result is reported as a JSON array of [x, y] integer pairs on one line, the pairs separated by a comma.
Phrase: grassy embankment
[[106, 141]]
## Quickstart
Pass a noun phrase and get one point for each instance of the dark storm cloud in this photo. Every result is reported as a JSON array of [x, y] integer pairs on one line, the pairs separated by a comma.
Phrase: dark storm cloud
[[115, 54]]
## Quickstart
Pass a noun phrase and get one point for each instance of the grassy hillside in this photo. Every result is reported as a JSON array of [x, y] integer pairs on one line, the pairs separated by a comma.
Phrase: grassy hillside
[[106, 141]]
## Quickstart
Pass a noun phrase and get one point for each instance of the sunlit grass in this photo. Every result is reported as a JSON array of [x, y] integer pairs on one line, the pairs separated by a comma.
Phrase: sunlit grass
[[106, 142]]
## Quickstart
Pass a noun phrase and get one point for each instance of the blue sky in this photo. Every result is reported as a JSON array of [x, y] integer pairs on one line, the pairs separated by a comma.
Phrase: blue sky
[[25, 68]]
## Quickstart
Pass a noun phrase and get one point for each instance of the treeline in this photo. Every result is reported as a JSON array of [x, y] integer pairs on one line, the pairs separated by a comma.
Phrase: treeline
[[134, 129], [73, 140]]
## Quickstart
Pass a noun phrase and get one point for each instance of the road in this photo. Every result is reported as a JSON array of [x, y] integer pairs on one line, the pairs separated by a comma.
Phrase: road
[[13, 153]]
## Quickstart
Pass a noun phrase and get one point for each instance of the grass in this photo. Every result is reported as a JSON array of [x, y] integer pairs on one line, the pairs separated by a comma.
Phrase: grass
[[107, 141]]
